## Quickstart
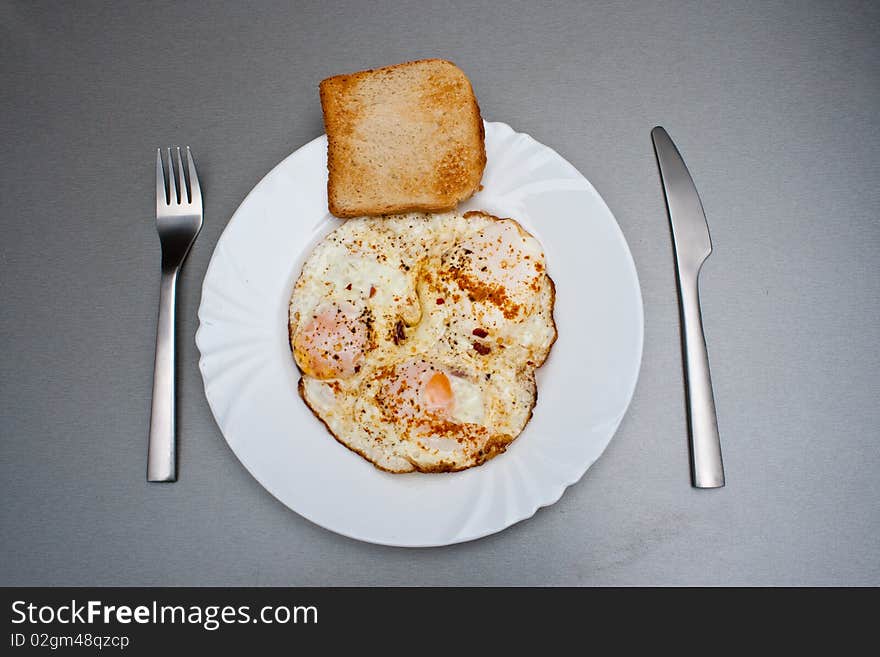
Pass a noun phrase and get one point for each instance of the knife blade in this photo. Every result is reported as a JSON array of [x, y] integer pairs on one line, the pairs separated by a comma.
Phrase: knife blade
[[692, 245]]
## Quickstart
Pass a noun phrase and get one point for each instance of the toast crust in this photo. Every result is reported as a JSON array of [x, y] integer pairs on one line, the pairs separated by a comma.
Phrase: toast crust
[[402, 138]]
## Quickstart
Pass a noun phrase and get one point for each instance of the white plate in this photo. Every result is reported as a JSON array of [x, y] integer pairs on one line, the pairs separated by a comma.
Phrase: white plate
[[583, 389]]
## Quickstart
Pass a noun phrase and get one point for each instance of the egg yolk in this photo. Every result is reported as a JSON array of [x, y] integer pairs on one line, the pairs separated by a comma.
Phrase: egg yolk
[[437, 393], [331, 345]]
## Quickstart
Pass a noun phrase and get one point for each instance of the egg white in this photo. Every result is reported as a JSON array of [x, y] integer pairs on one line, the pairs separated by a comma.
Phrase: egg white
[[467, 296]]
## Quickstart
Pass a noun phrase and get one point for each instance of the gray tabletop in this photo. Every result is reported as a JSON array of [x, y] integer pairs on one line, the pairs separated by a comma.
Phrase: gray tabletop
[[774, 106]]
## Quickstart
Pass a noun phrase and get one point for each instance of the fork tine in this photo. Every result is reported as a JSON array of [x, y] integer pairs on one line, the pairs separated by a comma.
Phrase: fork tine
[[181, 180], [161, 189], [195, 190], [173, 192]]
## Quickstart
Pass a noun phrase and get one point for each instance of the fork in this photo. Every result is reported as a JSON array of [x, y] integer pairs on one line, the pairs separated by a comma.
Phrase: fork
[[178, 221]]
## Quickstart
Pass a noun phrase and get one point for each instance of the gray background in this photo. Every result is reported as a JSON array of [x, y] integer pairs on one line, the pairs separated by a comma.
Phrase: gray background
[[774, 106]]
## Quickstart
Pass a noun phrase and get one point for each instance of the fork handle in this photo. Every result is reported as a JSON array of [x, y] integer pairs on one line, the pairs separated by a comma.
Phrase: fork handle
[[707, 470], [162, 456]]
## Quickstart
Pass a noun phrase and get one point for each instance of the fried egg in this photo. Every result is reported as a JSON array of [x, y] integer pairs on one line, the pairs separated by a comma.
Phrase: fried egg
[[418, 335]]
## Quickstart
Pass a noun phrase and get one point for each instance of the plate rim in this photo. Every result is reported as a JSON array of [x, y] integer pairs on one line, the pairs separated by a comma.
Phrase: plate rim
[[563, 485]]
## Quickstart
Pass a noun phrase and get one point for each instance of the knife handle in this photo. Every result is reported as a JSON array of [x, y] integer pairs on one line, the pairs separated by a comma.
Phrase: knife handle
[[707, 470]]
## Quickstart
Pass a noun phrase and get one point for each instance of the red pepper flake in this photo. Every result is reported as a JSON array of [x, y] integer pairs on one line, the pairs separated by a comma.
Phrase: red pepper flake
[[480, 333], [482, 348], [348, 287], [440, 302], [372, 291]]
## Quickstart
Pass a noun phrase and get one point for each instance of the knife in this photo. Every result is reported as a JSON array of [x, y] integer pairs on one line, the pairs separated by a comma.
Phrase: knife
[[690, 237]]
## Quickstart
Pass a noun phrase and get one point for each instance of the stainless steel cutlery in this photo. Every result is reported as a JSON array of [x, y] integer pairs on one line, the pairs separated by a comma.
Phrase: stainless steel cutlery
[[690, 236], [178, 220]]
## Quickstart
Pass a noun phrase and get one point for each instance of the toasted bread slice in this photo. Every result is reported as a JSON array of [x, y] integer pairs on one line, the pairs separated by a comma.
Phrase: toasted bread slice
[[402, 138]]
